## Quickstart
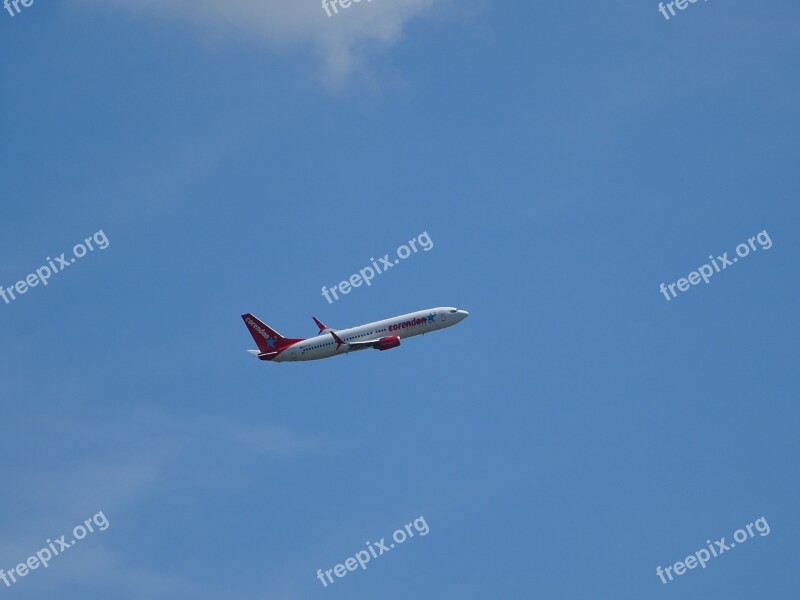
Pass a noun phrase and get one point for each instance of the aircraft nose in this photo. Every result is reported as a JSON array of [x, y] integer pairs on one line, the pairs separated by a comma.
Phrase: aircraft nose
[[464, 314]]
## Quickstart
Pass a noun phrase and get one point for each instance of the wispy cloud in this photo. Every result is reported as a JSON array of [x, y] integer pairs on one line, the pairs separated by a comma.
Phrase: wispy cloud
[[342, 41], [142, 446], [120, 462]]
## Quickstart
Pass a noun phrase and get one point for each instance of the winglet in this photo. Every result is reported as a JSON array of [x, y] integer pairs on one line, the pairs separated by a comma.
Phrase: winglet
[[339, 341], [319, 324]]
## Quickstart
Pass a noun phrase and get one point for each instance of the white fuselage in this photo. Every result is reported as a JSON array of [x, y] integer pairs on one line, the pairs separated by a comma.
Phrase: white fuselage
[[324, 345]]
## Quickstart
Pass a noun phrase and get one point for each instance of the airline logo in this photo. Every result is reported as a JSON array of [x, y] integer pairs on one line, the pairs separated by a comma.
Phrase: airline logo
[[261, 331], [413, 322]]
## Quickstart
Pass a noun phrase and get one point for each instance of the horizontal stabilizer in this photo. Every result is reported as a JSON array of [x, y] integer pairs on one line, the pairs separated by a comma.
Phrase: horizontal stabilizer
[[321, 325]]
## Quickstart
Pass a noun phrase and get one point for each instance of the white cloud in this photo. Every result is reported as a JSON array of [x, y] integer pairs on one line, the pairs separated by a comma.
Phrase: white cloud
[[74, 467], [114, 461], [341, 41]]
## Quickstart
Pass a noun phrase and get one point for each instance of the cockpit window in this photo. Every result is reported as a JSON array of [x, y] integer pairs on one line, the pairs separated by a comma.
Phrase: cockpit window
[[455, 310]]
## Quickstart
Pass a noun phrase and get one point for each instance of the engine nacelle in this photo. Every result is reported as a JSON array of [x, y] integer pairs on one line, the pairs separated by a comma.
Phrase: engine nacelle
[[388, 342]]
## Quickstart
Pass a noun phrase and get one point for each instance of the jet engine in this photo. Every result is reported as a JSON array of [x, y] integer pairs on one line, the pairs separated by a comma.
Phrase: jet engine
[[388, 342]]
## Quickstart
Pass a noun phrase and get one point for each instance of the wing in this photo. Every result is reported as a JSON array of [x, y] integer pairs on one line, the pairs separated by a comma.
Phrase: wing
[[354, 345], [384, 343], [364, 344]]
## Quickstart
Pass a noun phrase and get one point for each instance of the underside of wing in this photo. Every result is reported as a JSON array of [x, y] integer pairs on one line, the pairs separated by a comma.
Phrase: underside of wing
[[364, 344], [384, 343]]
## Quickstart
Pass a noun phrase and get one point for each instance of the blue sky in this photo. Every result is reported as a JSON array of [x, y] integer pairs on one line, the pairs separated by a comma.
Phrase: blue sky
[[573, 434]]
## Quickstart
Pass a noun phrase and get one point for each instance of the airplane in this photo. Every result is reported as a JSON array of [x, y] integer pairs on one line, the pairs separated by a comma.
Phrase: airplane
[[380, 335]]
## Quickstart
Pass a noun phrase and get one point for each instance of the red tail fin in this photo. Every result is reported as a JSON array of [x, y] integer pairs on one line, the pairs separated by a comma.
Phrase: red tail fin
[[267, 339]]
